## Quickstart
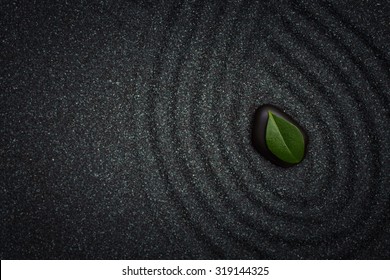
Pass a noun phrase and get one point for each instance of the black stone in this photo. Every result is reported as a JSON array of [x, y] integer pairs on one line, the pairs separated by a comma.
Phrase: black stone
[[258, 133]]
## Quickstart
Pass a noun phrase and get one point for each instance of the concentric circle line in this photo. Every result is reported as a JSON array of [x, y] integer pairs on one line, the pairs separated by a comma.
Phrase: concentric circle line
[[289, 58], [335, 38], [163, 173], [374, 88], [198, 147]]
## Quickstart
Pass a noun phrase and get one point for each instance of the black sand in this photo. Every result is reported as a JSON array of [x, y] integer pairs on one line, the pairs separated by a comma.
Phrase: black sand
[[126, 130]]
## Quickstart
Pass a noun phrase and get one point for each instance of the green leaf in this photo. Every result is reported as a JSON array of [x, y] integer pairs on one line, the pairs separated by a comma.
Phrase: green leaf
[[284, 139]]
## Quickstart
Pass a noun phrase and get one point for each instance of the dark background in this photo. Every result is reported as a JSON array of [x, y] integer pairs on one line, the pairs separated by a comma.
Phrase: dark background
[[126, 129]]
